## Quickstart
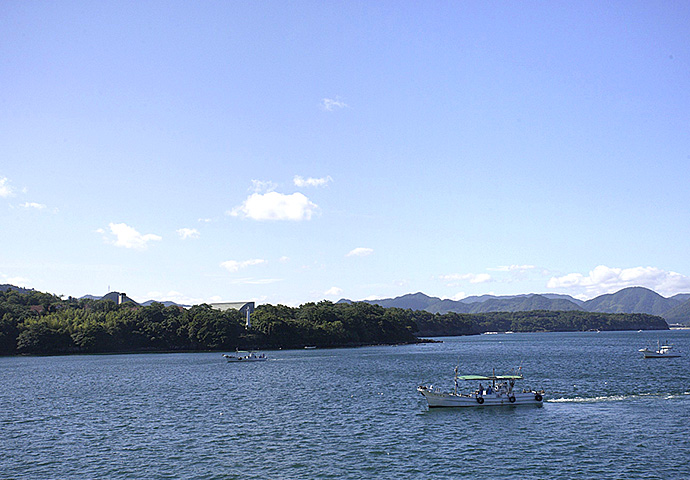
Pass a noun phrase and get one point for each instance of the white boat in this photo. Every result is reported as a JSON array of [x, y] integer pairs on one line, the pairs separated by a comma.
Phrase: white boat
[[662, 351], [245, 357], [500, 391]]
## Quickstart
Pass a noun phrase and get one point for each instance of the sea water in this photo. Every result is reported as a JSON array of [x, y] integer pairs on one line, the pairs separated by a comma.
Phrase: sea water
[[351, 413]]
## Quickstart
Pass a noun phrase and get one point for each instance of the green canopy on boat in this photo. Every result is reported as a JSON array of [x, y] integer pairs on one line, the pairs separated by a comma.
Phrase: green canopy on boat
[[479, 378]]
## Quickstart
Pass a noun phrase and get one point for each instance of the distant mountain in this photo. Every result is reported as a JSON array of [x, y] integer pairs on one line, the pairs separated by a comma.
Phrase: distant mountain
[[558, 296], [166, 303], [483, 298], [551, 296], [632, 300], [6, 287], [112, 296], [683, 297], [412, 301], [483, 304], [525, 304], [676, 309], [90, 297], [679, 314]]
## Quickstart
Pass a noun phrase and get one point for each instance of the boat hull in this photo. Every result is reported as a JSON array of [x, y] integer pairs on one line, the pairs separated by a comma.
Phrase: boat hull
[[441, 399], [661, 355], [663, 352], [245, 358]]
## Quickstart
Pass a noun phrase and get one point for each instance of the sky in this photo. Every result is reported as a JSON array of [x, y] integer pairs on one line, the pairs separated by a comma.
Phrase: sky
[[292, 152]]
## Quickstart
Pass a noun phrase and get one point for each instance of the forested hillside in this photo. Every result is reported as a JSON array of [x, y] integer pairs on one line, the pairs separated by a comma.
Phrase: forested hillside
[[40, 323]]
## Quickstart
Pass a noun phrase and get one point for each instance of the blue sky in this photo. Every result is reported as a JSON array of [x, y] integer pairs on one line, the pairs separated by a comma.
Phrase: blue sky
[[288, 152]]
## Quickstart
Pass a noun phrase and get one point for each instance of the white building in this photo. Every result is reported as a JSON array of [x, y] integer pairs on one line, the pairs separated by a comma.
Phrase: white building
[[244, 307]]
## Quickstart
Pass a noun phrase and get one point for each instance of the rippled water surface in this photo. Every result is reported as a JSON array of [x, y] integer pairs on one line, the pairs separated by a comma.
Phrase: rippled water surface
[[351, 413]]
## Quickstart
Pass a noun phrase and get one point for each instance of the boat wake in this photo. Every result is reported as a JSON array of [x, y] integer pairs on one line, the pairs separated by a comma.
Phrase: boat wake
[[619, 398]]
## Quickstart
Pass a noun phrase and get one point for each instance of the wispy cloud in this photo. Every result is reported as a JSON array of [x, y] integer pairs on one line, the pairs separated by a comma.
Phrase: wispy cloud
[[276, 206], [513, 268], [186, 233], [454, 279], [360, 252], [33, 205], [38, 206], [311, 182], [127, 237], [262, 186], [6, 190], [330, 104], [254, 281], [605, 279], [16, 281], [235, 265]]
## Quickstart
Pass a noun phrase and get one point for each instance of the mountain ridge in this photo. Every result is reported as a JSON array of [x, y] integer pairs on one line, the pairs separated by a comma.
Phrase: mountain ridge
[[626, 300]]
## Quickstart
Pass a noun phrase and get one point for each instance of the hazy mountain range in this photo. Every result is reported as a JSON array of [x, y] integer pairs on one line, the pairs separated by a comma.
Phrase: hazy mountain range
[[114, 297], [675, 309]]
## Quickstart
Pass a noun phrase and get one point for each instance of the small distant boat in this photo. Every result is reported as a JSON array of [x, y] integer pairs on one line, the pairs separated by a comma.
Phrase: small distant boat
[[662, 351], [241, 356], [499, 392], [310, 347]]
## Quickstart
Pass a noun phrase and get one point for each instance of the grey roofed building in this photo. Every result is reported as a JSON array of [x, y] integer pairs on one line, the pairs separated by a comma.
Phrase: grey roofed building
[[244, 307]]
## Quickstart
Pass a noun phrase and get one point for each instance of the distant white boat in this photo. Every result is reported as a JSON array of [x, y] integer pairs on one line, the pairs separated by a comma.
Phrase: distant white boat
[[499, 392], [662, 351], [245, 357]]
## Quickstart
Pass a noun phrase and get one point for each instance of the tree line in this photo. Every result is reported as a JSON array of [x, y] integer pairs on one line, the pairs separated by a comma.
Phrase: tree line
[[41, 323]]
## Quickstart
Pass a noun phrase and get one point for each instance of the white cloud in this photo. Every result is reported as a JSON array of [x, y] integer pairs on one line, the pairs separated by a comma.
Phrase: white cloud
[[34, 205], [16, 281], [333, 291], [372, 298], [330, 104], [456, 278], [128, 237], [360, 252], [6, 190], [186, 233], [513, 268], [311, 182], [605, 279], [234, 265], [276, 206], [458, 296], [284, 259]]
